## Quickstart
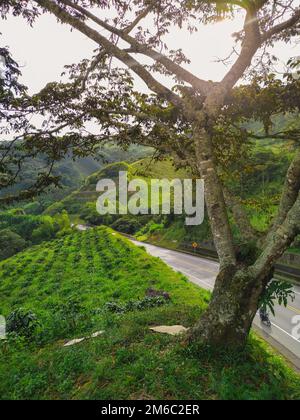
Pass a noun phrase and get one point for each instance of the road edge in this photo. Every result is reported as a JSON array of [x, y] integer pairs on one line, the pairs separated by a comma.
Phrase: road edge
[[292, 360]]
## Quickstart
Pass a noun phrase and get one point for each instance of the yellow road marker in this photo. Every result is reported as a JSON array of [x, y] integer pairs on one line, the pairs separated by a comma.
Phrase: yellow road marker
[[291, 308]]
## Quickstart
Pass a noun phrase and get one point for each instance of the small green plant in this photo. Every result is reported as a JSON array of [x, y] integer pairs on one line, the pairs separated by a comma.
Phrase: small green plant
[[21, 322], [135, 305], [72, 312]]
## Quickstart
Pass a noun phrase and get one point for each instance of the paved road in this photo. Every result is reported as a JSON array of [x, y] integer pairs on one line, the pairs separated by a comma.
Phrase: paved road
[[203, 272]]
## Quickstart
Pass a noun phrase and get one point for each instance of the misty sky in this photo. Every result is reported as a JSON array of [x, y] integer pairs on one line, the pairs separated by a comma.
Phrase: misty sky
[[43, 50]]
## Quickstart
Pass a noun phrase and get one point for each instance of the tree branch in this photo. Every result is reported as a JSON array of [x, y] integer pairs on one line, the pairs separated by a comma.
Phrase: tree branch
[[247, 232], [251, 44], [136, 47], [289, 195], [281, 27], [140, 17], [279, 241], [112, 49]]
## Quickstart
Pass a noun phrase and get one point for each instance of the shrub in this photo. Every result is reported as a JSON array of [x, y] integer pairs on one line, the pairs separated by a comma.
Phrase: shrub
[[10, 243], [72, 312], [127, 225], [55, 208], [45, 231], [90, 215], [22, 323], [34, 208]]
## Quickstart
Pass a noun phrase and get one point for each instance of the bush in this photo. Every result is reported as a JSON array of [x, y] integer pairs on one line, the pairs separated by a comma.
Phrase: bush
[[22, 323], [23, 225], [55, 208], [35, 208], [45, 231], [63, 222], [90, 215], [72, 312], [10, 243], [127, 225]]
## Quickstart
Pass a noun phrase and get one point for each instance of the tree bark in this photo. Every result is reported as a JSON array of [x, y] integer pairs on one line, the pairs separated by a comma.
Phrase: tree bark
[[247, 232], [227, 322], [214, 198]]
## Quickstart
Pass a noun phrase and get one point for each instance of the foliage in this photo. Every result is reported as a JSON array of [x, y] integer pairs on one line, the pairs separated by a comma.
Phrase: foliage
[[10, 243], [77, 275], [20, 231], [66, 280], [267, 168], [277, 291], [89, 213], [139, 305], [45, 231], [72, 312], [22, 322], [127, 224], [34, 208], [131, 362]]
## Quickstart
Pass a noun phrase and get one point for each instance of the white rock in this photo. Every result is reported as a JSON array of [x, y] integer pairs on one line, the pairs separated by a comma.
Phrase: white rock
[[97, 334], [171, 330], [80, 340], [73, 342]]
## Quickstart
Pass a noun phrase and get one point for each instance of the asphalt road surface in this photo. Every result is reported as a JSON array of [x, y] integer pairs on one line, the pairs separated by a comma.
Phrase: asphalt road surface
[[285, 330]]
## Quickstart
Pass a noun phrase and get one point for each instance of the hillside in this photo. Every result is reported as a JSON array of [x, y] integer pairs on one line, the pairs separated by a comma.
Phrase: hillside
[[96, 280], [260, 190], [73, 172], [81, 204], [144, 168]]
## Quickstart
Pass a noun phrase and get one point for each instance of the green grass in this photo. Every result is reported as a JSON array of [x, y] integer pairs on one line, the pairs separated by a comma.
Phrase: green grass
[[93, 266], [128, 361]]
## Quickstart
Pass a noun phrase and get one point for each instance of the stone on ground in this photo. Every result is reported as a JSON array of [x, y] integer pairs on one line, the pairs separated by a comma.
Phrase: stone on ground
[[171, 330], [80, 340]]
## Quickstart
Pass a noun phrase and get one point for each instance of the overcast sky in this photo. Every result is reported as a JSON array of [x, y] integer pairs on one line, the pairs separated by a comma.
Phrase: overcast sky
[[44, 49]]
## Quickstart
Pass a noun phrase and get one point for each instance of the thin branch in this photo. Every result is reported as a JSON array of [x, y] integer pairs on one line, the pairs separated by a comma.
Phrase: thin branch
[[136, 47], [91, 68], [140, 17], [282, 27], [112, 49]]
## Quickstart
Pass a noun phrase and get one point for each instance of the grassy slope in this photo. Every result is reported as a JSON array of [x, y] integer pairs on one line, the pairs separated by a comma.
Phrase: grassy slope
[[128, 361]]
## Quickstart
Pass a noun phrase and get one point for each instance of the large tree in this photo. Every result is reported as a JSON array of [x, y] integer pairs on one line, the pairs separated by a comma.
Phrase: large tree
[[199, 121]]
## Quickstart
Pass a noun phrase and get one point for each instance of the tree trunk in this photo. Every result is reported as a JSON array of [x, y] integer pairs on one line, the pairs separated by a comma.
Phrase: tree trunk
[[228, 320]]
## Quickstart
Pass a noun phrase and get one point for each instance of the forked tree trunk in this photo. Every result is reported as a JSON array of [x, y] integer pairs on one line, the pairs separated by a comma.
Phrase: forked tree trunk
[[228, 320]]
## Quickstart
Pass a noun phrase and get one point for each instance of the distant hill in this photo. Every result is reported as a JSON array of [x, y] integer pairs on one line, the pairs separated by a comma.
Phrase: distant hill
[[260, 189], [81, 205], [73, 172], [143, 168]]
